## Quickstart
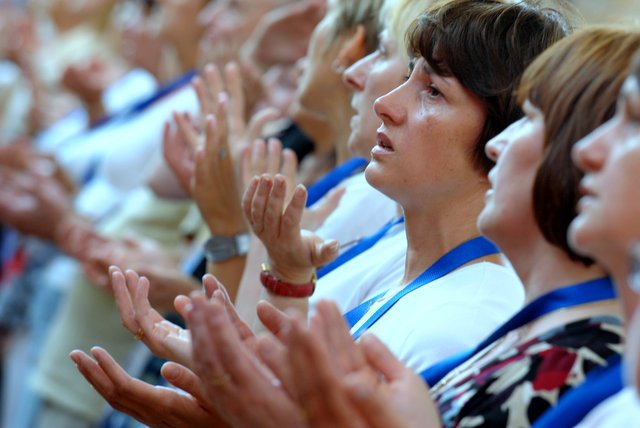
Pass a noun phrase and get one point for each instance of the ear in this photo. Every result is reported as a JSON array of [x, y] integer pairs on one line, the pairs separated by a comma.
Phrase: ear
[[353, 48]]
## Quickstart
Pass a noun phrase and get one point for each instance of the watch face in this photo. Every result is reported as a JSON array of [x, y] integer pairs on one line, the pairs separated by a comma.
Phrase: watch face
[[220, 248]]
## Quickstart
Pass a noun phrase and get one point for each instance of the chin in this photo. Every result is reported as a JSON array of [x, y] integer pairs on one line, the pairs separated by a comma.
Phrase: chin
[[580, 236], [378, 179]]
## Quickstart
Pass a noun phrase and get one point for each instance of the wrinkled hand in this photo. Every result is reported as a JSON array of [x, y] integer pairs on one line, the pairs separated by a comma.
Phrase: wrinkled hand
[[32, 203], [163, 338], [351, 384], [87, 80], [268, 157], [240, 387], [293, 254], [146, 257], [282, 36], [155, 406]]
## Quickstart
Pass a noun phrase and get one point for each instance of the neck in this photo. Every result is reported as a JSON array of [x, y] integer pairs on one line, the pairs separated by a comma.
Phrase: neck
[[187, 55], [620, 273], [543, 267], [433, 231], [327, 132]]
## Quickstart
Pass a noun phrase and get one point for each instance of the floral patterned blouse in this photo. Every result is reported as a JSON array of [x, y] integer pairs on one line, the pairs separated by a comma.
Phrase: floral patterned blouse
[[516, 385]]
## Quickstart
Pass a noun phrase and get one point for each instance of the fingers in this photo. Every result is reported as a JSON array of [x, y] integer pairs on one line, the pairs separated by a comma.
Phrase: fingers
[[334, 329], [273, 354], [247, 198], [187, 130], [236, 99], [325, 252], [289, 170], [381, 358], [364, 393], [317, 385], [258, 157], [259, 204], [290, 227], [274, 207], [123, 299], [219, 350], [258, 122], [275, 320], [274, 151], [183, 378]]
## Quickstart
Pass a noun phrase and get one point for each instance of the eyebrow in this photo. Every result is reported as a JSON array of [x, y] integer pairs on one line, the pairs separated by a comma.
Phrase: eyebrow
[[431, 72]]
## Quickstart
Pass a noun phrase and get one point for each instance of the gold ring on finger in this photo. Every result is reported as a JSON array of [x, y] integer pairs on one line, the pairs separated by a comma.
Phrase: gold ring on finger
[[139, 334]]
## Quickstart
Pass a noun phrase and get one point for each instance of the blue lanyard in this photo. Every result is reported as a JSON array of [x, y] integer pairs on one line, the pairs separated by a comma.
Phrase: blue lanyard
[[140, 106], [359, 248], [331, 179], [452, 260], [565, 297]]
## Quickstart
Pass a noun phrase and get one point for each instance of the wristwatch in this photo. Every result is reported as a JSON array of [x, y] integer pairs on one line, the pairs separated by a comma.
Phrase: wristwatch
[[221, 248]]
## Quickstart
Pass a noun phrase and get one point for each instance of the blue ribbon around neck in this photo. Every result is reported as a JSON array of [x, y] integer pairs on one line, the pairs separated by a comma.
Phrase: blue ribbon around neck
[[331, 179], [565, 297], [358, 248], [452, 260]]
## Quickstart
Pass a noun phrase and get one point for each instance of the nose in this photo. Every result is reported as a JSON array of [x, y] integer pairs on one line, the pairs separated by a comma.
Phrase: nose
[[493, 149], [389, 107], [355, 77], [590, 153]]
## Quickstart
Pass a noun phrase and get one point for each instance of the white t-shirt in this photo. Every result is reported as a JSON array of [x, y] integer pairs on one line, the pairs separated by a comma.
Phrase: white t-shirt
[[621, 410], [362, 211], [366, 275], [451, 314]]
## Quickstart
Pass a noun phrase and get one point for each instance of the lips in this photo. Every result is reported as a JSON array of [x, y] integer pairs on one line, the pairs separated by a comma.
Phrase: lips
[[384, 142], [587, 194]]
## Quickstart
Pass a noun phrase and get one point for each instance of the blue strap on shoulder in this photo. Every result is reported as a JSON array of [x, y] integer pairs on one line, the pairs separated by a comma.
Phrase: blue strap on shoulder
[[450, 261], [358, 248], [571, 295], [331, 179]]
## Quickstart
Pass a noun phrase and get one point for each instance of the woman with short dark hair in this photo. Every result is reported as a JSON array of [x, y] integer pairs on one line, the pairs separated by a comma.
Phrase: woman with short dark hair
[[571, 325]]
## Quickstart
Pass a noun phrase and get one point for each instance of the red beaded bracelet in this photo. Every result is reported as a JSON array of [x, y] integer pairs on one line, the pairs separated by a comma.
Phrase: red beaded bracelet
[[285, 289]]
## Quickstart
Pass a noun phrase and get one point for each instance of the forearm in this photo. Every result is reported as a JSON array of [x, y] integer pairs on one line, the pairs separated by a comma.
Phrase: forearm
[[229, 273]]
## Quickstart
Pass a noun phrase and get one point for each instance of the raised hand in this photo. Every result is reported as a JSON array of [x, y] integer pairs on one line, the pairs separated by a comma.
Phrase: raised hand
[[155, 406], [293, 254], [162, 337], [282, 36]]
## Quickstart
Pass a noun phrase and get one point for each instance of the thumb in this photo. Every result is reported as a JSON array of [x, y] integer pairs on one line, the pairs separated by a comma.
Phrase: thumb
[[184, 379], [325, 252]]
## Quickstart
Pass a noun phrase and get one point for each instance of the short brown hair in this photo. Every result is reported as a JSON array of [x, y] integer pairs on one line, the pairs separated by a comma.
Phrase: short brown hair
[[486, 45], [575, 84]]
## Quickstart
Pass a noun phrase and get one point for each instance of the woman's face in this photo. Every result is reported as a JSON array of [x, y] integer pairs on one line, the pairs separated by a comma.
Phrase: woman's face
[[609, 210], [373, 76], [517, 152], [430, 125]]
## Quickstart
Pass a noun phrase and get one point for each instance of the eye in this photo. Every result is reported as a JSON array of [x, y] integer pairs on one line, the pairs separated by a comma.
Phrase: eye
[[433, 91]]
